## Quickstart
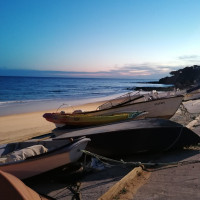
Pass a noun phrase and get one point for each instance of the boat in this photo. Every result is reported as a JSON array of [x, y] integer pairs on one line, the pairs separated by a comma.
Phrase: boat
[[80, 120], [136, 136], [192, 94], [164, 106], [156, 108], [33, 157], [14, 188]]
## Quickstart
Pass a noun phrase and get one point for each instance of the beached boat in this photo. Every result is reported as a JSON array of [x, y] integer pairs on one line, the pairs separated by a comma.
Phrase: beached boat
[[81, 119], [33, 157], [137, 136], [189, 94], [192, 94], [156, 108], [13, 188]]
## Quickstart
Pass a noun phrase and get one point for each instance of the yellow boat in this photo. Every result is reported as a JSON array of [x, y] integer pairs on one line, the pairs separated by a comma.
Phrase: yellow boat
[[83, 119]]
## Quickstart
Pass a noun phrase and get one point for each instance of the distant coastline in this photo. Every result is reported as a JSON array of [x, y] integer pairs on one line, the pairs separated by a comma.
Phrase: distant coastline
[[147, 89], [183, 79], [154, 85]]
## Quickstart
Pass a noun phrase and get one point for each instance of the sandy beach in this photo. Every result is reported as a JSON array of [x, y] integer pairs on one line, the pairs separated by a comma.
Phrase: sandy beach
[[19, 127], [24, 126], [103, 184]]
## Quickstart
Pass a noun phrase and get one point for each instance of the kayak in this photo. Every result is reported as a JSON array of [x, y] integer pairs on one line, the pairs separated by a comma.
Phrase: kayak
[[82, 119]]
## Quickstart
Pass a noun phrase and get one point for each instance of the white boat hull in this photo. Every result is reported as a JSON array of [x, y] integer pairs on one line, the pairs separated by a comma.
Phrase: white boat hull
[[43, 163], [159, 108]]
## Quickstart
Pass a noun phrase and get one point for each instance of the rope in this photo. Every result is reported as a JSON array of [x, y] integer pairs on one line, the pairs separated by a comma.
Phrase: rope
[[138, 164], [75, 190], [99, 157]]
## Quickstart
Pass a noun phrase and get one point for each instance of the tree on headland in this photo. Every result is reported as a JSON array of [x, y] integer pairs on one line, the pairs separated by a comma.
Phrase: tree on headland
[[183, 78]]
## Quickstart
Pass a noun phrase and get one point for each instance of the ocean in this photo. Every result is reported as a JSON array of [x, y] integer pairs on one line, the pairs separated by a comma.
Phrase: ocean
[[28, 94]]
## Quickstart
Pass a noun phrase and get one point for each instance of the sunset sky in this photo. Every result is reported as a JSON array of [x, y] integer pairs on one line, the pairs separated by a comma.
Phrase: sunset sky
[[98, 38]]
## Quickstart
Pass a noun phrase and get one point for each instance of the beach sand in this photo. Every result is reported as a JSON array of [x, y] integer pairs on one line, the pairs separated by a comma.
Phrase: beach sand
[[19, 127], [24, 126], [94, 185]]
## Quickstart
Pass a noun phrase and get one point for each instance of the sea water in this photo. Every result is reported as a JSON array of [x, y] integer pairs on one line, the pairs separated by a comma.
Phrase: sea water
[[28, 94]]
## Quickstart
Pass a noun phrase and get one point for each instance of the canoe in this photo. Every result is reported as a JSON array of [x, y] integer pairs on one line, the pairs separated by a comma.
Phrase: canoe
[[137, 136], [81, 119], [14, 188], [33, 157]]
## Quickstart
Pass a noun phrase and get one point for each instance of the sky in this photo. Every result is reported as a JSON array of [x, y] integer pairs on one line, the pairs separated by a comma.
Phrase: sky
[[98, 38]]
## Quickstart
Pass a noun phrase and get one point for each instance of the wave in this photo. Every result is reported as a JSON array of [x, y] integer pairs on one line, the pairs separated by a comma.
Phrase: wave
[[22, 101], [9, 102], [57, 91], [17, 90]]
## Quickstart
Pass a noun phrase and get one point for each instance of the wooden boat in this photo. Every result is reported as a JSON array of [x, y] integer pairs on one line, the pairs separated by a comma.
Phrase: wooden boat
[[164, 106], [137, 136], [32, 157], [192, 94], [189, 94], [13, 188], [156, 108], [80, 120]]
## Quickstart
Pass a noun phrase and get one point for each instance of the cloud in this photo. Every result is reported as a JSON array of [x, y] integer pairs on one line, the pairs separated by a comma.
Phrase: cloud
[[127, 71], [144, 70], [189, 57], [131, 71]]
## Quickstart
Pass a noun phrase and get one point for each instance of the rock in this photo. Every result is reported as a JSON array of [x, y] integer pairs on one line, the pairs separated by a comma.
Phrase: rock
[[153, 88]]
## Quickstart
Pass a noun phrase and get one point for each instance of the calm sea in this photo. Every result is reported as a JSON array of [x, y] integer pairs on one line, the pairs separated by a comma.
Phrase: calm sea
[[25, 94]]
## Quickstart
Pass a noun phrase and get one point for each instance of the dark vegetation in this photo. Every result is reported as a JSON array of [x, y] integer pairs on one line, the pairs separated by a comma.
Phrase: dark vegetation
[[183, 79]]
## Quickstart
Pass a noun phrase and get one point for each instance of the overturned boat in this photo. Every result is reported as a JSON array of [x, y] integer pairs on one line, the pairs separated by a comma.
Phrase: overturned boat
[[33, 157], [137, 136]]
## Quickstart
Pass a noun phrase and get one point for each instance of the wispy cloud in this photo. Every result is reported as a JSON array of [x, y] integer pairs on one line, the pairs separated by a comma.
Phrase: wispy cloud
[[190, 59], [145, 70]]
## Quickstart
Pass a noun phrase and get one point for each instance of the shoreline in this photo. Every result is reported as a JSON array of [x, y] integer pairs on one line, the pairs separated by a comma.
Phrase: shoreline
[[22, 107], [24, 126]]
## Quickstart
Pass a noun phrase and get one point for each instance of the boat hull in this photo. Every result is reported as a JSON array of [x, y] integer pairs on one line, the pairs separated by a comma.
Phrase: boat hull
[[138, 136], [13, 188], [192, 96], [157, 108], [43, 163], [81, 120]]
